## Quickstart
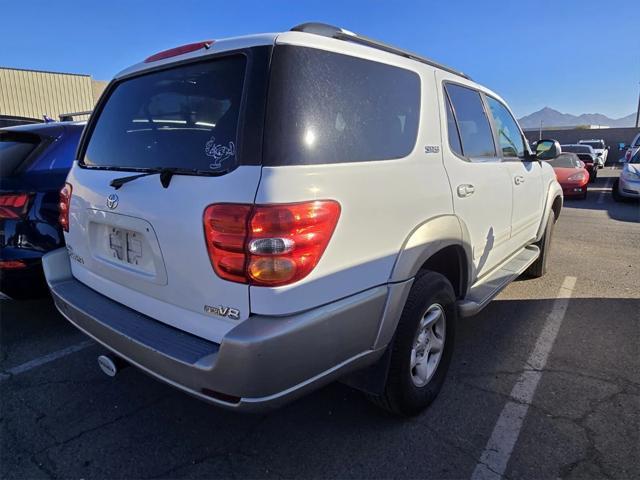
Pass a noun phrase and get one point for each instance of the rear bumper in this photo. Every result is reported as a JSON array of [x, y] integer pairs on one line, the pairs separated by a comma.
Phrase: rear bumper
[[262, 363]]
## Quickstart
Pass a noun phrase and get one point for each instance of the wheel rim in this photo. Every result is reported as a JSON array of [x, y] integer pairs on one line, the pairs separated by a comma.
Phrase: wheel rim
[[428, 345]]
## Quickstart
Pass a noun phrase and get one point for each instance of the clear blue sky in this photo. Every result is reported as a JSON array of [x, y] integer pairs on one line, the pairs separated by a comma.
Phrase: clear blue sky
[[577, 56]]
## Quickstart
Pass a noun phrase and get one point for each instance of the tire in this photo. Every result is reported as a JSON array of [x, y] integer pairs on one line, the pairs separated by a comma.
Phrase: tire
[[615, 191], [538, 268], [431, 296]]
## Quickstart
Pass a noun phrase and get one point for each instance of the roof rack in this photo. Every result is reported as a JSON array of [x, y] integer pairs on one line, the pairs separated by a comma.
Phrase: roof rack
[[68, 117], [338, 33]]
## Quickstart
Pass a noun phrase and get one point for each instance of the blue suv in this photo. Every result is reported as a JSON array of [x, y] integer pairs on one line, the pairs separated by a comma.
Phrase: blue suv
[[34, 162]]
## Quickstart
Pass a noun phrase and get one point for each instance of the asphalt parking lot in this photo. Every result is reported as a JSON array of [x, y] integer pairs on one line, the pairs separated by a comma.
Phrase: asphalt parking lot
[[545, 383]]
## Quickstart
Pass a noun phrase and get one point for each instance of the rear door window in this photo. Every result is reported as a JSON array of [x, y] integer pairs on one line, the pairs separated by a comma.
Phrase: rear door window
[[184, 117], [473, 124], [326, 107], [452, 128]]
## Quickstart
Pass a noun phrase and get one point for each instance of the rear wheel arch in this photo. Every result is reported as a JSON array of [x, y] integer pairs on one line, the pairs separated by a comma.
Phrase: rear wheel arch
[[452, 263], [428, 245]]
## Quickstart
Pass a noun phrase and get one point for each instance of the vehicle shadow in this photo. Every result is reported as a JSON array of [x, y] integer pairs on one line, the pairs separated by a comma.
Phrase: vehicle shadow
[[599, 197]]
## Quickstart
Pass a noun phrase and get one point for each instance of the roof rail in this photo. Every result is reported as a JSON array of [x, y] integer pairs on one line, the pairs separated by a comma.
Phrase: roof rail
[[338, 33]]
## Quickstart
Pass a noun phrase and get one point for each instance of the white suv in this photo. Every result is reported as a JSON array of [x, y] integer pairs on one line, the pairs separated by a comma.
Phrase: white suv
[[251, 218], [599, 148]]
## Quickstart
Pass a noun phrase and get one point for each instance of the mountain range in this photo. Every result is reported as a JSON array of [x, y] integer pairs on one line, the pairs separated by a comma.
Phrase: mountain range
[[553, 118]]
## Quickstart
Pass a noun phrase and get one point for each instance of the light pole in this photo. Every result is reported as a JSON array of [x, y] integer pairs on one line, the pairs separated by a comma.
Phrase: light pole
[[638, 111], [540, 135]]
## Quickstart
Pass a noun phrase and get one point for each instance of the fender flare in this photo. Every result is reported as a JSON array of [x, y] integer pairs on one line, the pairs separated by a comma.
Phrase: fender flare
[[554, 191], [427, 239]]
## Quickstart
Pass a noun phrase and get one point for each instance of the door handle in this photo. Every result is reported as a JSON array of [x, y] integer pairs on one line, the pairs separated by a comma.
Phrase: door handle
[[465, 190], [519, 179]]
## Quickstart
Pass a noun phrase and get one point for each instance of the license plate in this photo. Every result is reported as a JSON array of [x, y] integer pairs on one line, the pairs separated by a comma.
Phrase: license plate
[[125, 246]]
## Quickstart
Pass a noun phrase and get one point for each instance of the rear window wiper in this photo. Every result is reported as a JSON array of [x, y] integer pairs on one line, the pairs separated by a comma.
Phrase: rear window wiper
[[165, 177]]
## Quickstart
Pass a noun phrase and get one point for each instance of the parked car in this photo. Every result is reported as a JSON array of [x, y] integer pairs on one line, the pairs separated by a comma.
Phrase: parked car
[[587, 155], [34, 162], [600, 148], [250, 255], [627, 186], [571, 174], [632, 148]]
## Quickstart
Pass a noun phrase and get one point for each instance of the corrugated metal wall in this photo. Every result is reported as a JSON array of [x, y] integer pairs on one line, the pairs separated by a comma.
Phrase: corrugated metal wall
[[29, 93]]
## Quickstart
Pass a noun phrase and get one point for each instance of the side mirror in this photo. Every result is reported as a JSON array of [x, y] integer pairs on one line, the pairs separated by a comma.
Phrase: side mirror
[[547, 149], [582, 164], [608, 147]]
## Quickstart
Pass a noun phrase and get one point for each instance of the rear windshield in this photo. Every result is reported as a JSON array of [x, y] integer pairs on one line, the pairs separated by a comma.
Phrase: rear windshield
[[14, 149], [565, 160], [325, 107], [575, 148], [60, 155], [594, 145], [184, 117]]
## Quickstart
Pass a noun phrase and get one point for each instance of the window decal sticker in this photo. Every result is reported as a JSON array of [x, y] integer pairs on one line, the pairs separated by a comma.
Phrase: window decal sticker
[[218, 152]]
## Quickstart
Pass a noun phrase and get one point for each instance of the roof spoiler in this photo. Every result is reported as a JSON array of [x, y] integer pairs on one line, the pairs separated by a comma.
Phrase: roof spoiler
[[338, 33]]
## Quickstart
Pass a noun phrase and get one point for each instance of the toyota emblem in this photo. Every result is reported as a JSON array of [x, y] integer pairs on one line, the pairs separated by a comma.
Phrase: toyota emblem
[[112, 201]]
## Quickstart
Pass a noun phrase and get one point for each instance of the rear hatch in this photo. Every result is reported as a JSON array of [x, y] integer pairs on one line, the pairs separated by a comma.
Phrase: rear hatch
[[175, 139]]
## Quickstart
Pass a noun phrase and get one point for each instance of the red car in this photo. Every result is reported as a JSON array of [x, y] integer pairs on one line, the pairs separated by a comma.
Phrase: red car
[[571, 174]]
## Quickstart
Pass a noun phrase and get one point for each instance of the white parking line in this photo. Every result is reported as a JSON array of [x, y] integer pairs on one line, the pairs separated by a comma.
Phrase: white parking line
[[50, 357], [607, 188], [495, 457]]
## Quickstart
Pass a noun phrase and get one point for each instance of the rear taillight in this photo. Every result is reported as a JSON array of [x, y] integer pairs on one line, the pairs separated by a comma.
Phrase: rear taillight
[[12, 264], [268, 245], [65, 202], [14, 205]]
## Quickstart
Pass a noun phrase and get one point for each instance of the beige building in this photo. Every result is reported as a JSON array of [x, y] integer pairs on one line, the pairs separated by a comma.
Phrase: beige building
[[33, 93]]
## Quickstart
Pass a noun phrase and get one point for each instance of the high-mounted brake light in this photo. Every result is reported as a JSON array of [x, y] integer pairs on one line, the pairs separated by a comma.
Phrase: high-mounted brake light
[[65, 202], [173, 52], [268, 245], [14, 205]]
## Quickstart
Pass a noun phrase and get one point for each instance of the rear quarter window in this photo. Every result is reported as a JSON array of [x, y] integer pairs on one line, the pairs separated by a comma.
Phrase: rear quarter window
[[325, 108]]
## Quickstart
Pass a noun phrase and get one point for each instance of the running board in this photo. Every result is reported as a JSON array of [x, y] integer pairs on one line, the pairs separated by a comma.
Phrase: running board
[[488, 287]]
